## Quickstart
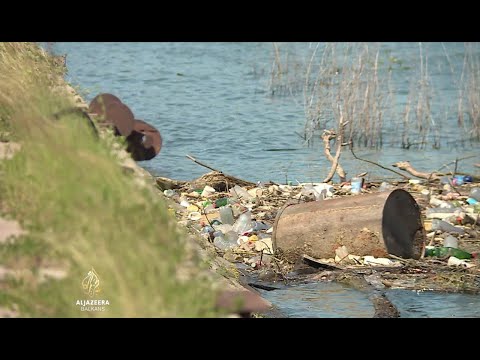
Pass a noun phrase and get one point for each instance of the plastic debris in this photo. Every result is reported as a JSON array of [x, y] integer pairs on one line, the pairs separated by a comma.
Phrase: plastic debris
[[453, 261]]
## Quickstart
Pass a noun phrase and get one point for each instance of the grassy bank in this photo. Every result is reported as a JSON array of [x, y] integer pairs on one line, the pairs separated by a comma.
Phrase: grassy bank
[[82, 211]]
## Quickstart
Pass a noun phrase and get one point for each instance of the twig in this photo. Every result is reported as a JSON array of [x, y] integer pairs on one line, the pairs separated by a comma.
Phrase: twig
[[202, 164], [206, 217], [405, 261], [452, 162], [374, 163]]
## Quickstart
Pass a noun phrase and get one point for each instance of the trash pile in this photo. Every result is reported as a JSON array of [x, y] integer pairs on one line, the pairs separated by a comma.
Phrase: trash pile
[[452, 219], [239, 220]]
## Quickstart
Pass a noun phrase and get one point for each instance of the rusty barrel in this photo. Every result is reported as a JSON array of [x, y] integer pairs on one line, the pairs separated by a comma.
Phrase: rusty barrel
[[375, 224], [100, 102], [110, 110], [145, 141]]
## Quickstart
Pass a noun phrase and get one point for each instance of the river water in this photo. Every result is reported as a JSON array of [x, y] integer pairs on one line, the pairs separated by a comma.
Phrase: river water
[[214, 101], [334, 300]]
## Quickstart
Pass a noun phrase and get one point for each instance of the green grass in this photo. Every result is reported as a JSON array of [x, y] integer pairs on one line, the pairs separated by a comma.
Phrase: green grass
[[82, 211]]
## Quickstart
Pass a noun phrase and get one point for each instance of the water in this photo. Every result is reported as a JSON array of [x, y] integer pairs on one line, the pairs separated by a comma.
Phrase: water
[[212, 100], [322, 300], [334, 300], [429, 304]]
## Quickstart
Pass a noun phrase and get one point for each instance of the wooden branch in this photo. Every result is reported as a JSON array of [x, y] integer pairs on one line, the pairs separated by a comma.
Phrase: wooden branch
[[201, 164], [405, 165], [377, 164], [327, 136], [453, 162], [166, 183]]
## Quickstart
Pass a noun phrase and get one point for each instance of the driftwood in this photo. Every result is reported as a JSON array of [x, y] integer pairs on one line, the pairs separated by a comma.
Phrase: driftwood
[[336, 167], [166, 183], [405, 165], [435, 175], [219, 181]]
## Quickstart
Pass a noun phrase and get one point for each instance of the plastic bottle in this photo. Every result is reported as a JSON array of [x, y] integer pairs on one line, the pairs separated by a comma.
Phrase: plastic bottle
[[450, 242], [207, 229], [448, 251], [223, 243], [260, 225], [226, 215], [440, 203], [440, 213], [221, 202], [458, 180], [471, 201], [446, 227], [243, 223], [238, 191], [475, 194]]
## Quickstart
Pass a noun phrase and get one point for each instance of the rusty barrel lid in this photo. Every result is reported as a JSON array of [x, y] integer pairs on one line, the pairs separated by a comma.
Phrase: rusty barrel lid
[[402, 228], [100, 102], [145, 141], [121, 117]]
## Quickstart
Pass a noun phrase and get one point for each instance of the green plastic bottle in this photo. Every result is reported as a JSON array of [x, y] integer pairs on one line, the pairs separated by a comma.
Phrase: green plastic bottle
[[221, 202], [449, 251]]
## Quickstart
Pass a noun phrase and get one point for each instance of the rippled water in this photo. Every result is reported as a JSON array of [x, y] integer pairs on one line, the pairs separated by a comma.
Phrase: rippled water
[[434, 304], [322, 300], [212, 100]]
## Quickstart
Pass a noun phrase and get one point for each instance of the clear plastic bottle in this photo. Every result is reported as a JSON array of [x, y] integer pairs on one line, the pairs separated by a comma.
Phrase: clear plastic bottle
[[243, 223], [440, 213], [223, 243], [446, 227], [226, 215], [475, 194], [240, 192], [450, 241]]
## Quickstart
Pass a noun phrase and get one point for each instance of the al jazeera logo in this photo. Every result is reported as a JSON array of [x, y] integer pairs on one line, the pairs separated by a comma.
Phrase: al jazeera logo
[[91, 287]]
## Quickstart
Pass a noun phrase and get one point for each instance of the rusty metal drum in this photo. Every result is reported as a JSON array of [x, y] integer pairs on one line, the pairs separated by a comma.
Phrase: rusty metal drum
[[375, 224], [145, 141]]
